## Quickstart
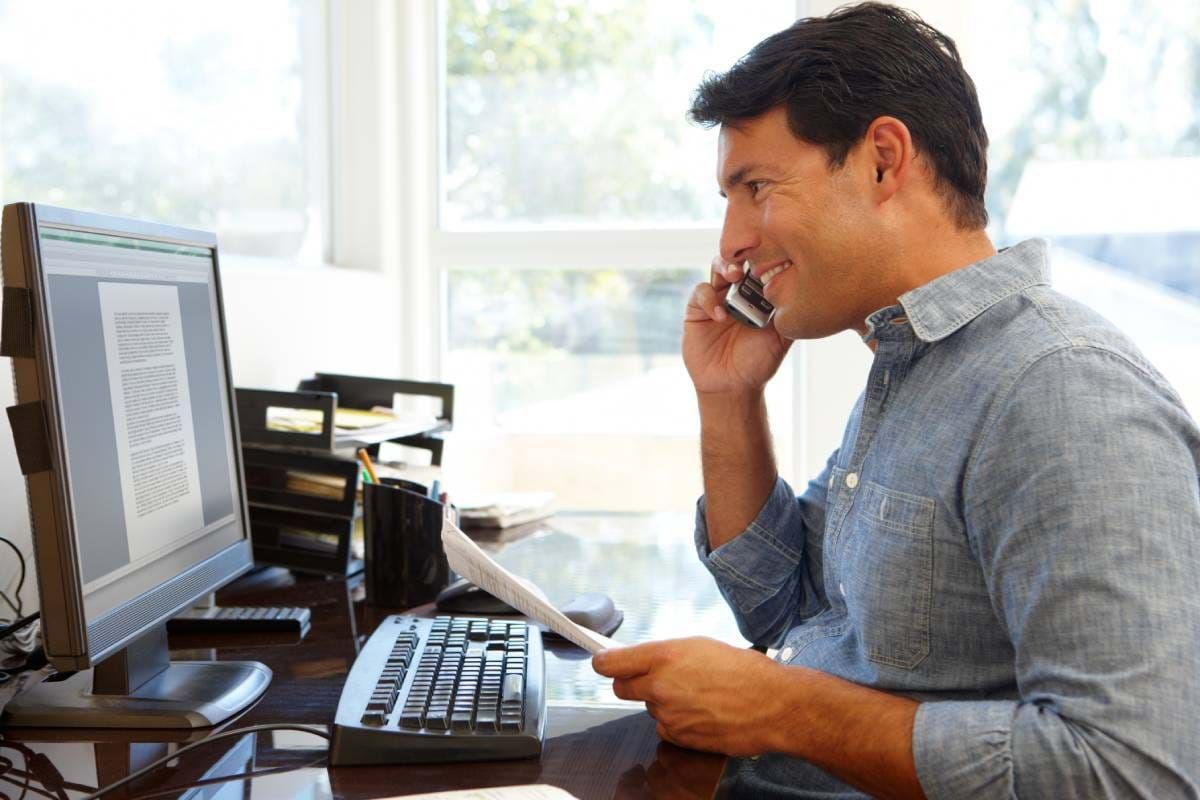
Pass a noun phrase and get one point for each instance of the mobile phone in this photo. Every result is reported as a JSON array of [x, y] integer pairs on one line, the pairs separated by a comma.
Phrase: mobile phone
[[746, 303]]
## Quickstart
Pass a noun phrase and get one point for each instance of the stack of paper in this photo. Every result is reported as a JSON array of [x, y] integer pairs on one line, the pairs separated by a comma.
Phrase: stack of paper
[[353, 427], [330, 487], [503, 510]]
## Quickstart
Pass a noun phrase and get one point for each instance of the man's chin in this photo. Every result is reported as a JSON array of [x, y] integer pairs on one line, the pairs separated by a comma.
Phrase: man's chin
[[794, 324]]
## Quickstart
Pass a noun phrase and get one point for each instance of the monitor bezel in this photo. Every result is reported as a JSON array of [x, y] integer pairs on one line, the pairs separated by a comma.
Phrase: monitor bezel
[[72, 642]]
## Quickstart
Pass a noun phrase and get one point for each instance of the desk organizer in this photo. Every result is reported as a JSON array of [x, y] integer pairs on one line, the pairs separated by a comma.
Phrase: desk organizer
[[302, 486]]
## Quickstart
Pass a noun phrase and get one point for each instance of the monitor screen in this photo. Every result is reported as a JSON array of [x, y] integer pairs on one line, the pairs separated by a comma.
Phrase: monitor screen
[[147, 428]]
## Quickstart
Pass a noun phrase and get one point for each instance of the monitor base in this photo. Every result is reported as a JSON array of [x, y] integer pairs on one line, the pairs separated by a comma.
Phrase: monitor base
[[187, 694]]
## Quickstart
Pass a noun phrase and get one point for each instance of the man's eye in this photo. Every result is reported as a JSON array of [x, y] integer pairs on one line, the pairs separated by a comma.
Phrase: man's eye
[[754, 187]]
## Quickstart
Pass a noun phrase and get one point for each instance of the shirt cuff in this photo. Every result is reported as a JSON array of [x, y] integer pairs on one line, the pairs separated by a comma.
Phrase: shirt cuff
[[964, 749], [752, 566]]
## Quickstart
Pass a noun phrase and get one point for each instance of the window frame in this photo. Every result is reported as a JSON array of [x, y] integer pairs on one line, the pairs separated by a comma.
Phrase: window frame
[[440, 250]]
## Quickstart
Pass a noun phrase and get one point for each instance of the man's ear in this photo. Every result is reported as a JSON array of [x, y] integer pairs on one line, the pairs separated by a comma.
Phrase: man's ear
[[888, 149]]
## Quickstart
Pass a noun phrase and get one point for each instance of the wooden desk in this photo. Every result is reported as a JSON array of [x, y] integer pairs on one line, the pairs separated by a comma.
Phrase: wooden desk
[[596, 745]]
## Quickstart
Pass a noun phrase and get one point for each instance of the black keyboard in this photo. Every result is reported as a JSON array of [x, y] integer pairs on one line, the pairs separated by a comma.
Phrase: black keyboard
[[444, 689], [237, 619]]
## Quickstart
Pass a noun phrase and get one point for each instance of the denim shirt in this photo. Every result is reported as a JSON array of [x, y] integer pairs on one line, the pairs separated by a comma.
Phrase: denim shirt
[[1009, 533]]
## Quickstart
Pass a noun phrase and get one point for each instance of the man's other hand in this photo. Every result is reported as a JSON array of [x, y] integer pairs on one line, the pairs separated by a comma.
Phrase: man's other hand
[[721, 354], [704, 694]]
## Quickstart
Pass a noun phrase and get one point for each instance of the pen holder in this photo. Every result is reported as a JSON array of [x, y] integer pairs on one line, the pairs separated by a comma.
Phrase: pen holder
[[405, 563]]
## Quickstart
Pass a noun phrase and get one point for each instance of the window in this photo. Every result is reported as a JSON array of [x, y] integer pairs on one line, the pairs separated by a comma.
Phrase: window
[[206, 115], [570, 113], [578, 210], [1094, 113]]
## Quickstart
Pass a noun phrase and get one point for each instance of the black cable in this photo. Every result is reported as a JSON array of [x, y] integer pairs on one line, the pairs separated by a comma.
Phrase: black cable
[[13, 627], [28, 775], [33, 662], [19, 607], [74, 787], [240, 776], [222, 735], [26, 788], [39, 766], [6, 766]]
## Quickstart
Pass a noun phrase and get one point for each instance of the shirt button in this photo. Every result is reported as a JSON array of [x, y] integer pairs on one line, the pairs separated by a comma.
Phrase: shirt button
[[787, 654], [852, 480]]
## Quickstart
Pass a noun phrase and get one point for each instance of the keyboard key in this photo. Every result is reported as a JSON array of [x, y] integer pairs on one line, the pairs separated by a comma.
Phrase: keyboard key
[[513, 690]]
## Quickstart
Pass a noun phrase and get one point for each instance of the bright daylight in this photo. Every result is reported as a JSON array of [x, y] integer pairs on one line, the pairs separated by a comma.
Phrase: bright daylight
[[614, 399]]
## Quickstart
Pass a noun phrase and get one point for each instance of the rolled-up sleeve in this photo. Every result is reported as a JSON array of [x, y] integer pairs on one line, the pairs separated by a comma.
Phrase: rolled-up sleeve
[[1082, 503], [770, 574]]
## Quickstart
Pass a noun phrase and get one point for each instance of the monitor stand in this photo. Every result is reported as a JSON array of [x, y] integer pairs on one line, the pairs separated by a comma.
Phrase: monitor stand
[[140, 687]]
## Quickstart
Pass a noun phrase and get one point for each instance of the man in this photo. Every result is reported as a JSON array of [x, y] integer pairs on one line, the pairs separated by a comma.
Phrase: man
[[990, 591]]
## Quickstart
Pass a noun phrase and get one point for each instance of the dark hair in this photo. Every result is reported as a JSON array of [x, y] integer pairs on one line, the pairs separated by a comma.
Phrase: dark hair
[[839, 73]]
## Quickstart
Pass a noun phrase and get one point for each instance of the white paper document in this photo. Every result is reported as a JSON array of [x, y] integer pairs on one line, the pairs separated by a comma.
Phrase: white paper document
[[468, 560], [152, 412]]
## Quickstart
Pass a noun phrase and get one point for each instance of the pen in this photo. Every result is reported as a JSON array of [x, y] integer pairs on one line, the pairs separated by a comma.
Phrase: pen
[[367, 465], [365, 477], [435, 489]]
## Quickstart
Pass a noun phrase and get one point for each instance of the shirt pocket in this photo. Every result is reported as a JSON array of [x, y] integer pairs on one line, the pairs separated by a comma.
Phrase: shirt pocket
[[887, 568]]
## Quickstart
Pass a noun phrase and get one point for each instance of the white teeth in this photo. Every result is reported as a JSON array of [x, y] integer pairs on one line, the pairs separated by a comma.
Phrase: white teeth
[[771, 273]]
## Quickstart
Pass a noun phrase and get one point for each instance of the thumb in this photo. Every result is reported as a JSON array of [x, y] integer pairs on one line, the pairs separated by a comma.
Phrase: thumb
[[625, 662]]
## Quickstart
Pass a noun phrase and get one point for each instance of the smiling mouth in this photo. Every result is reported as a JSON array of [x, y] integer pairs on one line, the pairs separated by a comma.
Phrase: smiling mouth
[[771, 273]]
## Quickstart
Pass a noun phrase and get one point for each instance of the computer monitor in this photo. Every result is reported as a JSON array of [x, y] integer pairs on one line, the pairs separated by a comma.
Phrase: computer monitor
[[126, 431]]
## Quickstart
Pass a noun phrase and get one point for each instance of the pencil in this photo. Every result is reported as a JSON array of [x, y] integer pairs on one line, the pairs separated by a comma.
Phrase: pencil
[[367, 465]]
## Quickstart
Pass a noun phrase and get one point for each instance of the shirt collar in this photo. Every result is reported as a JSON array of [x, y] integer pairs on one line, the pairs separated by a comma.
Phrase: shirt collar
[[947, 303]]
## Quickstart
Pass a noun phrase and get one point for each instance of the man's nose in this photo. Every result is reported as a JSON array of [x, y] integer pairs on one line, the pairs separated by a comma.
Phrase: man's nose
[[739, 235]]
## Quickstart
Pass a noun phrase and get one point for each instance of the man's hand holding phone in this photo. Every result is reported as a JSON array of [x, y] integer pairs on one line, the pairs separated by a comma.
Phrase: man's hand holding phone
[[720, 353]]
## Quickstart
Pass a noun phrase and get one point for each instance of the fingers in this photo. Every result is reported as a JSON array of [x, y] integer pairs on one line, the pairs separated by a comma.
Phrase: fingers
[[639, 688], [722, 273], [664, 733], [708, 299], [706, 303], [625, 662]]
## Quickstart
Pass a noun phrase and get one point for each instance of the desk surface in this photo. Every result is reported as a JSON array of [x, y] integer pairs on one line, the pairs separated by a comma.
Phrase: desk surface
[[596, 746]]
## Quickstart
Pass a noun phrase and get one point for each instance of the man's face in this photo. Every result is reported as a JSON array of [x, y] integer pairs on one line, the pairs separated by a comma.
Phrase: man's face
[[787, 208]]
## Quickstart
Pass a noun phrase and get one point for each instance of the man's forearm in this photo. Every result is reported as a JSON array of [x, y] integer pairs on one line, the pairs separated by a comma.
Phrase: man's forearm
[[737, 459], [861, 735]]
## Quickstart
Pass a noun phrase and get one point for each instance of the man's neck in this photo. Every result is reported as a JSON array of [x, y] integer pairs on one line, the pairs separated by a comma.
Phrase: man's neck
[[931, 258], [926, 259]]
